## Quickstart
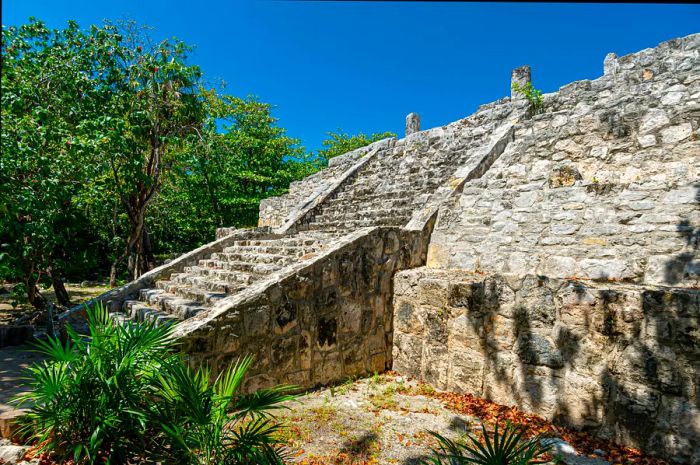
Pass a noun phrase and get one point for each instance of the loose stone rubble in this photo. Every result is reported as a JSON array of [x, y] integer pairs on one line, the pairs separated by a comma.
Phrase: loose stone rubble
[[547, 260]]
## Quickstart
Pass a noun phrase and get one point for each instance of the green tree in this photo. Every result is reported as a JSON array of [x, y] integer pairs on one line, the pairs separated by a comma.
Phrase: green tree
[[113, 150], [155, 107], [238, 158], [340, 142], [51, 85]]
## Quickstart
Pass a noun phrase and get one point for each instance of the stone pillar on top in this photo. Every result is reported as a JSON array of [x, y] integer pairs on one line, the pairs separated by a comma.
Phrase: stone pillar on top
[[412, 123], [520, 78]]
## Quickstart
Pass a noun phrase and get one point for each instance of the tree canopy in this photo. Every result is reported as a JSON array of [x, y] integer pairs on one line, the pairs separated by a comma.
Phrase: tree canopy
[[340, 142], [114, 150]]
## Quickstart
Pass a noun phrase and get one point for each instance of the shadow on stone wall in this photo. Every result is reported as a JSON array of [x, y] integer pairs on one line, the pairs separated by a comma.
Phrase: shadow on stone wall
[[675, 269], [626, 370]]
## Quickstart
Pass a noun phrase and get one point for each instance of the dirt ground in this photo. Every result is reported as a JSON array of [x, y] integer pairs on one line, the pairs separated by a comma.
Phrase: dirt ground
[[385, 419], [13, 360], [23, 311]]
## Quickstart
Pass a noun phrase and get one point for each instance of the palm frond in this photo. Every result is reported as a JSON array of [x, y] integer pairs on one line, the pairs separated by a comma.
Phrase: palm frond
[[506, 448], [263, 401]]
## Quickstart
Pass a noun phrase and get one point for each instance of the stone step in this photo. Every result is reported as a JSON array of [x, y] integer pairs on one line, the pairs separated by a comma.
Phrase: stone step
[[407, 189], [396, 217], [254, 258], [137, 311], [349, 196], [254, 268], [369, 209], [207, 283], [350, 225], [229, 276], [286, 241], [377, 203], [400, 212], [289, 251], [172, 304], [120, 318], [191, 292]]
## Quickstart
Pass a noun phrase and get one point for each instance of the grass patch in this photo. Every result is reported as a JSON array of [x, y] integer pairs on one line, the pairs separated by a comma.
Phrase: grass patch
[[386, 399], [295, 433], [323, 413]]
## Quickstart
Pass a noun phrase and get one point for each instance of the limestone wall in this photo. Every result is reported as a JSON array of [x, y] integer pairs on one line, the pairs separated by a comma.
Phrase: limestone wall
[[604, 184], [621, 361], [325, 320]]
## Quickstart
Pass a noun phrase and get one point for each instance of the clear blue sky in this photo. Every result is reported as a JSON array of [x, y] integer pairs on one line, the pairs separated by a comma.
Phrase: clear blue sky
[[362, 66]]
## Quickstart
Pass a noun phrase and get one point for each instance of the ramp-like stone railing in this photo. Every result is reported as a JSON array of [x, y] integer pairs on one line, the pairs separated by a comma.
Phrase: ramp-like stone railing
[[318, 321]]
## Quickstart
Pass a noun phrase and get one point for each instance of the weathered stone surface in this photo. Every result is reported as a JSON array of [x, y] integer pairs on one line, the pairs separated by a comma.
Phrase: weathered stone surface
[[521, 76], [308, 322], [621, 360], [412, 123], [621, 199], [11, 454]]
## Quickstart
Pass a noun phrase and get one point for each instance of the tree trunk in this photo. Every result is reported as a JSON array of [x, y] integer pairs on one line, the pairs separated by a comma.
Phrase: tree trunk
[[59, 289], [139, 247], [147, 250], [50, 330], [113, 272], [34, 297]]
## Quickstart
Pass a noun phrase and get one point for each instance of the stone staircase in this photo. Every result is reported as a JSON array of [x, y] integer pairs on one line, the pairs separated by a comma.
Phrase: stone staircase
[[199, 287], [398, 181], [309, 291], [386, 189]]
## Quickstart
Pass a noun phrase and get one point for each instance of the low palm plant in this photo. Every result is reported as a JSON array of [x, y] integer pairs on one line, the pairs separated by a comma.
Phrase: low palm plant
[[508, 447], [207, 423], [123, 394], [89, 398]]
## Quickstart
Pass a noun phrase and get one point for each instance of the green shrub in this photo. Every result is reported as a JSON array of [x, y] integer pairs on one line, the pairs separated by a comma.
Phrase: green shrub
[[532, 95], [507, 448], [207, 423], [123, 394]]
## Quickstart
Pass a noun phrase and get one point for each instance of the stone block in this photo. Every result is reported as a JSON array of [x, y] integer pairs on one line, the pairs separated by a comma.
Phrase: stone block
[[537, 349], [561, 267], [677, 133], [256, 321], [412, 123], [606, 269], [434, 364], [653, 120], [285, 355], [407, 353], [466, 371], [581, 401], [326, 367], [500, 333], [350, 318], [433, 292]]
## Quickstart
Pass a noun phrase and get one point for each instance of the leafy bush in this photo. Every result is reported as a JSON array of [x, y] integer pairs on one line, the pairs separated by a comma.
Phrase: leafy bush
[[123, 394], [507, 448], [532, 95], [211, 423], [341, 142]]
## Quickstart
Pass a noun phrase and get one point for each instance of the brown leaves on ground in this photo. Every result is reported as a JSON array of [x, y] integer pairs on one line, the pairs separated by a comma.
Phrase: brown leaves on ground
[[491, 412]]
